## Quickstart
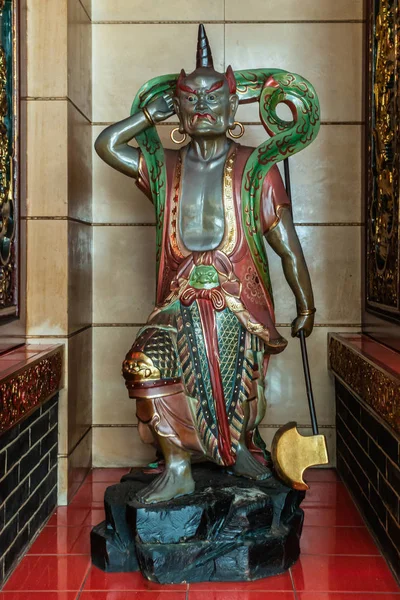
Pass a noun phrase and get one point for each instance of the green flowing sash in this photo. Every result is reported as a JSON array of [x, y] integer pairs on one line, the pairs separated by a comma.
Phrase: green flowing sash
[[269, 87]]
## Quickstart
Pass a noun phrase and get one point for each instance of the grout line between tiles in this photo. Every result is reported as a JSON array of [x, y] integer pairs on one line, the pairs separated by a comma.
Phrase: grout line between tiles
[[85, 579], [234, 22], [85, 11], [80, 111], [292, 580], [245, 123], [262, 426], [296, 223], [323, 325]]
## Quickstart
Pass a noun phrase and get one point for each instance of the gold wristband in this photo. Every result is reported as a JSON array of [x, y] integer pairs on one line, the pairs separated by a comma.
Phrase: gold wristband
[[148, 116], [307, 313]]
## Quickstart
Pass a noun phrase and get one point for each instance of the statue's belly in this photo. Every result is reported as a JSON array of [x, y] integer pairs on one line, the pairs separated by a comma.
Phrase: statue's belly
[[201, 211], [202, 228]]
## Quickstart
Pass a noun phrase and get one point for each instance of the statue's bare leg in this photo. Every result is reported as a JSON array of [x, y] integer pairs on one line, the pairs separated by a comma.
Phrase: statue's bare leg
[[176, 480], [246, 465]]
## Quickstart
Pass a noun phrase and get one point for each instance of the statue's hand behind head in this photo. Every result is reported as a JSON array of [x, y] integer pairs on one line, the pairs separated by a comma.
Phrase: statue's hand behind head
[[161, 109]]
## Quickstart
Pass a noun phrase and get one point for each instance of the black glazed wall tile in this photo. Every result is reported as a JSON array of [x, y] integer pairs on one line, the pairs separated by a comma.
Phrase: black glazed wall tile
[[378, 457], [393, 476], [8, 535], [2, 519], [39, 473], [348, 418], [40, 428], [53, 417], [48, 441], [348, 400], [377, 504], [16, 499], [15, 550], [28, 492], [354, 459], [2, 463], [394, 531], [30, 461], [17, 449], [389, 497], [51, 480], [364, 439], [27, 422], [8, 436], [9, 483], [43, 512], [53, 457], [53, 402], [382, 435], [29, 508], [356, 470]]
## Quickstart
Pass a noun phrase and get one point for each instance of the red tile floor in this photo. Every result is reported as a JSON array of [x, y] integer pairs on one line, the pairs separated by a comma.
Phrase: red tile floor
[[339, 559]]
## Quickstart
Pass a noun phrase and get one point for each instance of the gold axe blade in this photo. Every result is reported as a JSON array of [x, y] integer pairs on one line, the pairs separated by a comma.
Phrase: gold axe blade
[[293, 453]]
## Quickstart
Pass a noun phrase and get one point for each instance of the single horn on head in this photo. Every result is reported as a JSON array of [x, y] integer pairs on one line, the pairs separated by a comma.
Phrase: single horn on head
[[203, 56]]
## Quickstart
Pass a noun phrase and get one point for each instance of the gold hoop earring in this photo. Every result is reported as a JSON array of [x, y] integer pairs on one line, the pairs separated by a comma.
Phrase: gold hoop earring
[[173, 138], [231, 130]]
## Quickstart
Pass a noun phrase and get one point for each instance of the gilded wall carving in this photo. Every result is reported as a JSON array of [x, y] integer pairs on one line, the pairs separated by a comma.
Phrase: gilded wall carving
[[382, 263], [33, 385], [377, 388], [8, 157]]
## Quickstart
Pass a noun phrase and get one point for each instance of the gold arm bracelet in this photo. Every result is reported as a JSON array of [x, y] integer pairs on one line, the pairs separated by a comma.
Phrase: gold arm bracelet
[[307, 313], [148, 116]]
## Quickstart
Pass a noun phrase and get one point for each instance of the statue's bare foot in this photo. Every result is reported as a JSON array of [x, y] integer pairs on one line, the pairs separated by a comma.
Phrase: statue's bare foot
[[247, 466], [173, 482]]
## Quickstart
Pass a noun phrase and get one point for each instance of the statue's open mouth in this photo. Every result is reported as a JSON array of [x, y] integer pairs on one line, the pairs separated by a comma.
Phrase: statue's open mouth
[[206, 116]]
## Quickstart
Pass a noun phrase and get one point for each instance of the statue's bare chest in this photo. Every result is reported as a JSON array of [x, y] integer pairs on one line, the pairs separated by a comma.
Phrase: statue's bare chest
[[201, 206]]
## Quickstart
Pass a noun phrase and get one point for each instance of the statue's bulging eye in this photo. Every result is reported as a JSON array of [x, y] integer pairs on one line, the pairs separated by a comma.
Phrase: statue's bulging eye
[[191, 98], [211, 97]]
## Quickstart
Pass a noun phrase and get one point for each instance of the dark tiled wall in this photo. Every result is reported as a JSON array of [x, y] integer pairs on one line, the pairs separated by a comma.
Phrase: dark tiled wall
[[368, 455], [28, 481]]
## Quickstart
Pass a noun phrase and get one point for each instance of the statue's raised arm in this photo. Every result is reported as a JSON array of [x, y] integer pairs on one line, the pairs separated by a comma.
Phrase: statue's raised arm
[[112, 145]]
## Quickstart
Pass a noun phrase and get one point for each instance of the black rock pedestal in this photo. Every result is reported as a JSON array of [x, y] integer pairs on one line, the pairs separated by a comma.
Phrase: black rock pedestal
[[230, 529]]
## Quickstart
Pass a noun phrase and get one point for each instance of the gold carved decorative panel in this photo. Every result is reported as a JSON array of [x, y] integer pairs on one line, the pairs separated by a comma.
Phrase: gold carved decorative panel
[[383, 145], [9, 139]]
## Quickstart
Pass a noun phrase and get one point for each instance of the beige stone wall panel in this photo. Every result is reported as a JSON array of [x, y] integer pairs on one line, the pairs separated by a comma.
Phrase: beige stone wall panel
[[293, 10], [111, 404], [79, 387], [158, 10], [47, 167], [79, 276], [286, 391], [87, 5], [79, 57], [333, 256], [325, 177], [47, 277], [120, 447], [122, 62], [46, 48], [123, 274], [79, 166], [317, 51]]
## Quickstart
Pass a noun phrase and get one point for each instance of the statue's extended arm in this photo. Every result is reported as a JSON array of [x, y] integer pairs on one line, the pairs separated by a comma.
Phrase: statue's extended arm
[[112, 144], [284, 241]]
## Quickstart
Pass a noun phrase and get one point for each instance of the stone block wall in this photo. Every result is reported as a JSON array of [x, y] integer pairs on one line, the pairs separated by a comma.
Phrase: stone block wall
[[28, 481]]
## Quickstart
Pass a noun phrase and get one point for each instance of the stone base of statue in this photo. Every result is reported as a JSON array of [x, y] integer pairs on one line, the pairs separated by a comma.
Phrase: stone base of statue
[[230, 529]]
